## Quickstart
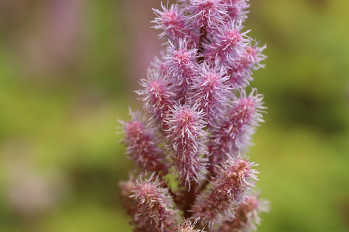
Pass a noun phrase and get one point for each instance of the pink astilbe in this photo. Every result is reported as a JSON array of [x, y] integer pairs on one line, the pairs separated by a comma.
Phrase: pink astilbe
[[233, 178], [198, 123], [240, 71], [157, 96], [233, 132], [142, 145], [246, 216], [180, 61], [173, 22], [186, 139], [228, 43], [155, 208], [244, 117], [207, 13], [210, 90]]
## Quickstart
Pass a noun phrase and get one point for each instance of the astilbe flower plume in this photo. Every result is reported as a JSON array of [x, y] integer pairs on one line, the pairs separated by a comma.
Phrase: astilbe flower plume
[[154, 205], [210, 90], [228, 189], [207, 13], [142, 145], [240, 70], [157, 97], [190, 145], [186, 136], [180, 63], [228, 43], [173, 22], [232, 133]]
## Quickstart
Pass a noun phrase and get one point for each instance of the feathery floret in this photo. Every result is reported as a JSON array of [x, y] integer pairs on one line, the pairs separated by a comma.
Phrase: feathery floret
[[187, 139], [233, 132], [207, 13], [141, 143], [227, 44], [172, 21], [154, 205], [240, 70], [157, 96], [233, 178], [180, 61], [244, 117], [210, 90]]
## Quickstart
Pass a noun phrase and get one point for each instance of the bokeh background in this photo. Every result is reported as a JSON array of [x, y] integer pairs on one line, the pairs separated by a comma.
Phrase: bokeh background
[[68, 71]]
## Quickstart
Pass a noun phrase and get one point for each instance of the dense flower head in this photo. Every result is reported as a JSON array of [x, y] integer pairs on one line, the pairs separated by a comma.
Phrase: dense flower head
[[180, 62], [210, 90], [246, 215], [141, 143], [172, 21], [157, 96], [240, 70], [186, 139], [198, 124], [233, 179], [154, 205], [233, 132], [207, 13], [228, 43], [180, 59], [244, 117]]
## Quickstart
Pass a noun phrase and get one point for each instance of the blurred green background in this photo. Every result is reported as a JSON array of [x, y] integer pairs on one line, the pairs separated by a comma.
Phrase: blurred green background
[[68, 71]]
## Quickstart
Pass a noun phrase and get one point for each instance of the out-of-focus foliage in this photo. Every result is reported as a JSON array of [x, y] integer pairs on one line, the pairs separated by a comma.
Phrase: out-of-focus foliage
[[68, 69]]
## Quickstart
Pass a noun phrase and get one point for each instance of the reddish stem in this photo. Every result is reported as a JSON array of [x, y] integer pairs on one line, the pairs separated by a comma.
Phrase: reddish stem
[[189, 200], [203, 36]]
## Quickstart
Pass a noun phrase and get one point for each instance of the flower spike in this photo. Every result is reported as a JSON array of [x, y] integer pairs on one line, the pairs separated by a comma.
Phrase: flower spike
[[198, 121]]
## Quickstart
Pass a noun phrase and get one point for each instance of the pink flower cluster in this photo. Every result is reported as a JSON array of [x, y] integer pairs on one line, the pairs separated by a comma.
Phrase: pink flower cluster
[[197, 125]]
